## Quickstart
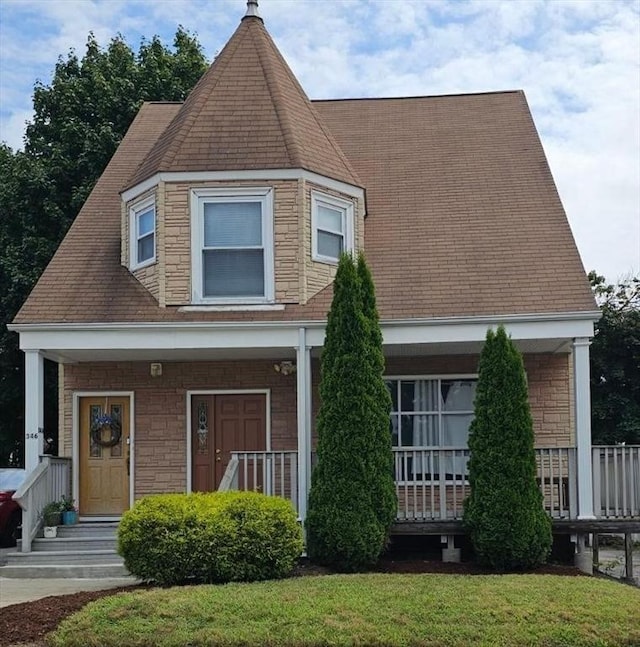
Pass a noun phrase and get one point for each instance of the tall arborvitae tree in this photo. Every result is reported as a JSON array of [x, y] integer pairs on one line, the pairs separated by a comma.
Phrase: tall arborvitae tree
[[382, 486], [504, 513], [348, 519]]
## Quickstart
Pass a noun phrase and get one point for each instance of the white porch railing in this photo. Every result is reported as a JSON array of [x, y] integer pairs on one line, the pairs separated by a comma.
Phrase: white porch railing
[[616, 481], [50, 481], [432, 483], [273, 473]]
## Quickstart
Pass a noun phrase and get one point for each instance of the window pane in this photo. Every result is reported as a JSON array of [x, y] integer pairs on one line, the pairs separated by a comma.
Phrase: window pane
[[233, 273], [330, 245], [392, 386], [419, 430], [394, 431], [145, 248], [146, 223], [329, 219], [455, 429], [419, 395], [232, 224], [458, 395]]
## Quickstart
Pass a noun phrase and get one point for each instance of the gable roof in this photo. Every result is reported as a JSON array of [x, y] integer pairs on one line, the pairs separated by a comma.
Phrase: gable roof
[[248, 111], [463, 219]]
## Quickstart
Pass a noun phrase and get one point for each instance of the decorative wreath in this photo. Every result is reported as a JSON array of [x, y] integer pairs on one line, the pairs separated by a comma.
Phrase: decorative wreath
[[98, 425]]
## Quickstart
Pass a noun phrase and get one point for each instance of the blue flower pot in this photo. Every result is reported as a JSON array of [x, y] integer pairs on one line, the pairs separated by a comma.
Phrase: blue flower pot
[[69, 517]]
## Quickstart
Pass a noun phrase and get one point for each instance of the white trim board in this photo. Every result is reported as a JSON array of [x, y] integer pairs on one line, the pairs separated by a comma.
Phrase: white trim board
[[211, 335], [257, 176], [189, 394], [75, 439]]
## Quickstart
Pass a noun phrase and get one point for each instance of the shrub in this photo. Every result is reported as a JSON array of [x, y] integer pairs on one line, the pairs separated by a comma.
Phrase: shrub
[[352, 497], [210, 537], [504, 513]]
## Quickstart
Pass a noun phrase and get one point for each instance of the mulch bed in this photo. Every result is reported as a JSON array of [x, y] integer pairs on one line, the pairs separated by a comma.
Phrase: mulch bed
[[26, 624]]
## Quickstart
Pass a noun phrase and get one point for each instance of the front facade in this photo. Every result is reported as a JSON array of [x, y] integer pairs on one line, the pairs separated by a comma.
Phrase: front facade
[[195, 318]]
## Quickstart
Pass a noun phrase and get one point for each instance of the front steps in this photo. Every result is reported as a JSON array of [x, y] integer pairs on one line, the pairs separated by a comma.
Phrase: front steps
[[83, 550]]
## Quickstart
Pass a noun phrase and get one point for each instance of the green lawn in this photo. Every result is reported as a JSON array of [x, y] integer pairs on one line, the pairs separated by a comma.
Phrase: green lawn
[[373, 609]]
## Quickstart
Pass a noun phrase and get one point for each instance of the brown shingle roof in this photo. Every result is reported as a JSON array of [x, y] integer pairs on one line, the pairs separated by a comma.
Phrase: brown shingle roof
[[247, 112], [463, 219], [463, 214]]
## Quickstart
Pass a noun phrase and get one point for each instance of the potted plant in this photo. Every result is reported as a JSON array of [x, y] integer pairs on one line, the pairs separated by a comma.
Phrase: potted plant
[[69, 511], [51, 514]]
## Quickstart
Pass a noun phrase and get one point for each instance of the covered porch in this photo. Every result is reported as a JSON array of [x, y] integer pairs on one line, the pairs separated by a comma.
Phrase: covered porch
[[424, 358]]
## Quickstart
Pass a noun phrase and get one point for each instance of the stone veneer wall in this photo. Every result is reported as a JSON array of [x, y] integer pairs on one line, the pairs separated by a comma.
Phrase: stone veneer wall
[[160, 403], [160, 409], [318, 276], [177, 266], [550, 388], [149, 276]]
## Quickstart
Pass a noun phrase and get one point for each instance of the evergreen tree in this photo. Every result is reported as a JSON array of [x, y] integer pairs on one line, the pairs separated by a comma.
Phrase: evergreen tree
[[504, 514], [348, 518], [383, 486]]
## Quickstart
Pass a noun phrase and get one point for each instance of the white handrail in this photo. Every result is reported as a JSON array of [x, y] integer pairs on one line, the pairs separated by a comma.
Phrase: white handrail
[[49, 481]]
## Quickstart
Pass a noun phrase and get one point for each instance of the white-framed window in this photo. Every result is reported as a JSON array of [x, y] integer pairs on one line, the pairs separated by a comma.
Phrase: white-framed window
[[430, 420], [331, 227], [142, 226], [232, 245]]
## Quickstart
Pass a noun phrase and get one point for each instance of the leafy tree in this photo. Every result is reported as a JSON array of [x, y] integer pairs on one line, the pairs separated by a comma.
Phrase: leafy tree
[[349, 514], [504, 514], [79, 120], [615, 363]]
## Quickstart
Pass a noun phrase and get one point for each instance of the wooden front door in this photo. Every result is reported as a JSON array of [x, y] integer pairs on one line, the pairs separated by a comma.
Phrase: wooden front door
[[221, 424], [104, 456]]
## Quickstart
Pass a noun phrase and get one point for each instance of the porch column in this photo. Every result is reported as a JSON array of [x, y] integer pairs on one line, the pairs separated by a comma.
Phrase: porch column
[[582, 396], [303, 386], [34, 408]]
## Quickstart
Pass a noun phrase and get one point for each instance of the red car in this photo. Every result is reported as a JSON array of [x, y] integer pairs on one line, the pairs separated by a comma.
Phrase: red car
[[10, 512]]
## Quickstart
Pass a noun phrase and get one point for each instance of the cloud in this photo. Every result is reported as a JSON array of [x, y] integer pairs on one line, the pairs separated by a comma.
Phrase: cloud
[[578, 62]]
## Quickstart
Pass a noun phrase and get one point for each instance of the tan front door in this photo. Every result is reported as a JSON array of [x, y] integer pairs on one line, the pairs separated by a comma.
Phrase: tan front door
[[221, 424], [104, 456]]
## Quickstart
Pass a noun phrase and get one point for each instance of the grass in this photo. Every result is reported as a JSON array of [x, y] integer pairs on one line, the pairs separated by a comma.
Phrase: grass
[[372, 609]]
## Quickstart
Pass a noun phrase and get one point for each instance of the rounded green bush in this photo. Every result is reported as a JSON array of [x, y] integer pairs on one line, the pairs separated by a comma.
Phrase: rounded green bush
[[210, 537]]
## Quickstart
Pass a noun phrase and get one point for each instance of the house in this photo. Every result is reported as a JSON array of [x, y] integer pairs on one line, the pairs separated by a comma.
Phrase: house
[[188, 300]]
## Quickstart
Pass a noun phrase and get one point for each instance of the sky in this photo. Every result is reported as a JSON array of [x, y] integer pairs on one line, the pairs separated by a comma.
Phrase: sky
[[578, 62]]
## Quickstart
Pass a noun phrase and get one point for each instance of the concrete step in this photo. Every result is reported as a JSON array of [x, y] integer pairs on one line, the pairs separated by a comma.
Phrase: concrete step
[[64, 557], [107, 529], [73, 544], [65, 571]]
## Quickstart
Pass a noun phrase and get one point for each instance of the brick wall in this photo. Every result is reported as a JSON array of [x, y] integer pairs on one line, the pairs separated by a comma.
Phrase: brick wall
[[160, 409]]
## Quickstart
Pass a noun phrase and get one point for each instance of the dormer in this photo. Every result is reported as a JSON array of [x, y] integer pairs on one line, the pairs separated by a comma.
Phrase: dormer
[[245, 199]]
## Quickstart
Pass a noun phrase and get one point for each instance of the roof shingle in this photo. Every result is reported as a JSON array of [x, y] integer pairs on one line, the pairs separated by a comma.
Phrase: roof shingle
[[248, 111]]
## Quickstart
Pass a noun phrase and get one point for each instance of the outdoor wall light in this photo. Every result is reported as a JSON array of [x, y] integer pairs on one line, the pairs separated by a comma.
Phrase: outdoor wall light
[[285, 367]]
